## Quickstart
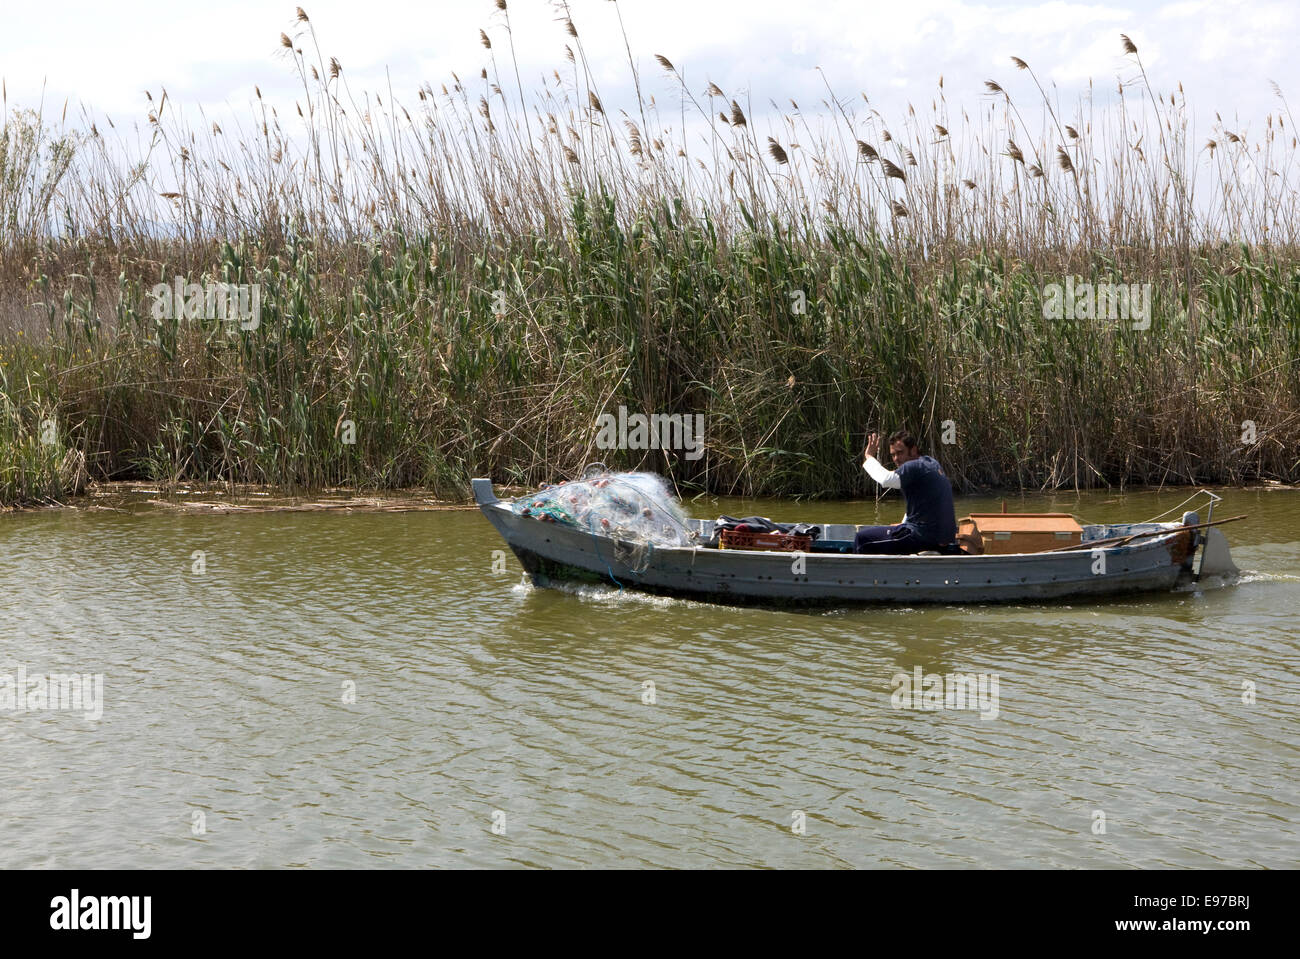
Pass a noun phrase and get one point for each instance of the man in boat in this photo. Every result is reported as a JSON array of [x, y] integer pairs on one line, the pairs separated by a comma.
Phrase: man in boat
[[930, 520]]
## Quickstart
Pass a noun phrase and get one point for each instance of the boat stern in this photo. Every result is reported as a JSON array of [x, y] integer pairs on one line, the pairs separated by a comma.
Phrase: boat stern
[[1216, 559]]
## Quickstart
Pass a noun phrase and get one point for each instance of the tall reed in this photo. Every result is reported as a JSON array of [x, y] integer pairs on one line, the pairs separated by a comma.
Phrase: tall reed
[[461, 284]]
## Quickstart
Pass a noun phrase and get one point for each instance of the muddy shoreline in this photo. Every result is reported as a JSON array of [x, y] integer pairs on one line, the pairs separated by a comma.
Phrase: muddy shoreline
[[133, 496], [130, 496]]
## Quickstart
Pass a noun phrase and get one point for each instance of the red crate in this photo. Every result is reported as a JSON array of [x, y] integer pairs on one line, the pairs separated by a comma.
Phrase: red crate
[[743, 539]]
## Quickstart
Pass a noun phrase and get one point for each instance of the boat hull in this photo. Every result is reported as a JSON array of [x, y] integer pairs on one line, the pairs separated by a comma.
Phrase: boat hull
[[554, 554]]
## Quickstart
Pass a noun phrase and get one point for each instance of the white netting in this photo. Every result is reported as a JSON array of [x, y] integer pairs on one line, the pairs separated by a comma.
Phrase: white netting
[[633, 507]]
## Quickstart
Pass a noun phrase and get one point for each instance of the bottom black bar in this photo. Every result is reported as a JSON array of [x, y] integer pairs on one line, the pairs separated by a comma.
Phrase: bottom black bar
[[333, 909]]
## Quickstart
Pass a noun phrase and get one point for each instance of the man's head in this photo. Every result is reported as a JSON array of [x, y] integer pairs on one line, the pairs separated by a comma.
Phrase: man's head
[[903, 448]]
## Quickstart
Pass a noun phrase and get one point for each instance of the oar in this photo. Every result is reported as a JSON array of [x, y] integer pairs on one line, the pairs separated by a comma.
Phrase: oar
[[1121, 540]]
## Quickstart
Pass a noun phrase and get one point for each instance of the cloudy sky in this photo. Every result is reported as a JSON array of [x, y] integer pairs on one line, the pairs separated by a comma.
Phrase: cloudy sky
[[105, 55]]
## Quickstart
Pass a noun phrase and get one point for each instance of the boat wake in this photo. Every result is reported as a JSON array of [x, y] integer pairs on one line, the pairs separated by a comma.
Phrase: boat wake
[[607, 595], [1255, 576], [1243, 578]]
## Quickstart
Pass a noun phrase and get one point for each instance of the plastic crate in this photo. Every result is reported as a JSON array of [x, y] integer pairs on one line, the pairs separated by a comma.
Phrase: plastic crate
[[743, 539]]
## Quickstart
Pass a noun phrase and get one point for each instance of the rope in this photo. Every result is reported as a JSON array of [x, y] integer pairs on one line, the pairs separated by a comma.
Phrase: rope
[[1181, 505]]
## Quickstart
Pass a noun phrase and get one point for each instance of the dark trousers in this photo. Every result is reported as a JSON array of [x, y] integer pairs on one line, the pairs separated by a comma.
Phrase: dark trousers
[[889, 541]]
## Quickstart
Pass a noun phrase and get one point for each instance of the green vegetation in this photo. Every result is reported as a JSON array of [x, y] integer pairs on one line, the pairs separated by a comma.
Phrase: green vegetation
[[462, 291]]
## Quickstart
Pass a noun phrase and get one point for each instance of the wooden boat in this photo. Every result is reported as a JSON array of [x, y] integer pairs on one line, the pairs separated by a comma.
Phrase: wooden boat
[[1109, 560]]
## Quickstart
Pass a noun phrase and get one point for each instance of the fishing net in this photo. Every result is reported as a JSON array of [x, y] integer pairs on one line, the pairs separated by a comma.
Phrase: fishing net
[[636, 508]]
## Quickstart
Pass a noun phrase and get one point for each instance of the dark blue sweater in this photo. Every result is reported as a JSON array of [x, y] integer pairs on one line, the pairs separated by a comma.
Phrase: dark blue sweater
[[928, 496]]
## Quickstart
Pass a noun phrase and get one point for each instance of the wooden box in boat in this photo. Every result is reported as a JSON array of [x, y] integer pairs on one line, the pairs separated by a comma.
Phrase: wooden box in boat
[[1004, 533]]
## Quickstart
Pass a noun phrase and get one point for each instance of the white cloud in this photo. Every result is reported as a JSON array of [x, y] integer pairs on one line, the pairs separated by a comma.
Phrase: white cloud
[[105, 54]]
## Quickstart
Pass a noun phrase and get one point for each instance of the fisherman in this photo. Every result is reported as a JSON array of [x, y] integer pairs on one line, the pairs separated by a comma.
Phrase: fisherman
[[930, 521]]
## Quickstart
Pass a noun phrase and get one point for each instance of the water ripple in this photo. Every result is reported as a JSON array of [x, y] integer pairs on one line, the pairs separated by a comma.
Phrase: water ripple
[[363, 691]]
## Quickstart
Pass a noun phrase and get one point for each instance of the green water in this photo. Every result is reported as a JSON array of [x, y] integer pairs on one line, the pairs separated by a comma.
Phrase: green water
[[229, 736]]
